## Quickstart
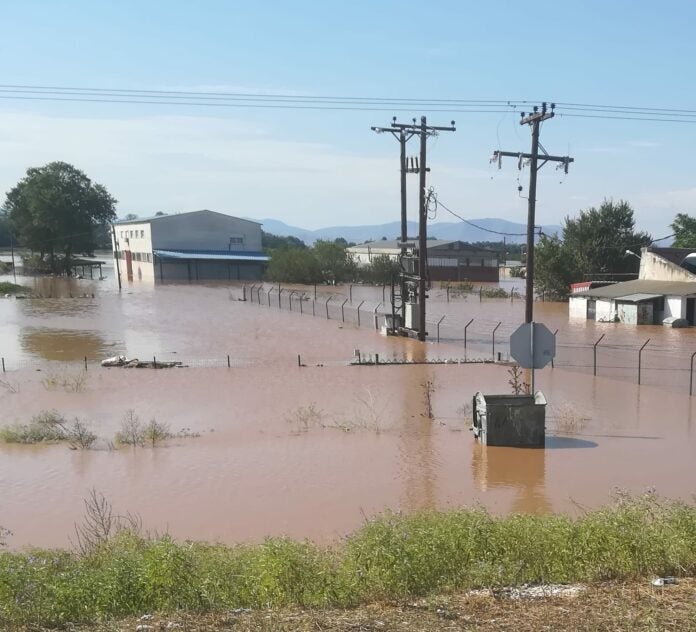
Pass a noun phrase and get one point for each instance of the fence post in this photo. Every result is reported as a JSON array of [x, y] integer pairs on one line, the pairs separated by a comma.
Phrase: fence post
[[595, 354], [343, 315], [280, 292], [375, 314], [290, 299], [85, 363], [376, 358], [554, 342], [359, 306], [350, 293], [258, 294], [301, 301], [384, 287], [494, 330], [3, 364], [269, 296], [691, 374], [438, 327], [154, 362], [251, 293], [299, 360], [448, 288], [244, 292], [228, 361], [640, 359], [315, 291], [327, 307], [314, 313], [465, 328], [481, 294]]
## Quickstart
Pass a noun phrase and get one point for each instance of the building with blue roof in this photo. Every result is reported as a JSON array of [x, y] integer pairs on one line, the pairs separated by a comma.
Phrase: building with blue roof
[[194, 246]]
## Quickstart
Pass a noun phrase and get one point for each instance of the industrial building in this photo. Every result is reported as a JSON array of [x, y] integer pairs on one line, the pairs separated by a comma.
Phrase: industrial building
[[199, 245], [447, 260], [665, 292]]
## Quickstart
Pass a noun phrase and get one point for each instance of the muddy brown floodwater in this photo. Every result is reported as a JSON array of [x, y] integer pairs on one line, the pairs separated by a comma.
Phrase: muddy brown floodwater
[[307, 451]]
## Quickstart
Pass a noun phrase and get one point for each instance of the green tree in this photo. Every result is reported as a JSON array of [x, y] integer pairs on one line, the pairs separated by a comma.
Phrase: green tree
[[593, 244], [56, 210], [335, 262], [382, 269], [270, 242], [684, 227], [5, 229], [293, 265]]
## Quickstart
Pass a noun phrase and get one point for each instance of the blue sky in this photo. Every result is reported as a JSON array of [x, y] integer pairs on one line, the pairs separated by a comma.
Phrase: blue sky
[[318, 168]]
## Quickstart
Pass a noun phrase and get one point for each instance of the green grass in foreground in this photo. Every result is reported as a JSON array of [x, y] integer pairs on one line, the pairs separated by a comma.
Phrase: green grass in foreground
[[12, 288], [391, 557]]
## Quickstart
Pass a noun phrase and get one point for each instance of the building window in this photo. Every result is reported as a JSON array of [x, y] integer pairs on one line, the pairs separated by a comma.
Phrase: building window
[[142, 234], [236, 241]]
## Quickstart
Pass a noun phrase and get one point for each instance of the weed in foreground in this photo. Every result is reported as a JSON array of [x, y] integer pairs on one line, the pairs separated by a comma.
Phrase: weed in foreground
[[120, 572]]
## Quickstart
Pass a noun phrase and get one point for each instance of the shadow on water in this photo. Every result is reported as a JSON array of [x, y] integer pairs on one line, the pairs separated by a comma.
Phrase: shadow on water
[[554, 442]]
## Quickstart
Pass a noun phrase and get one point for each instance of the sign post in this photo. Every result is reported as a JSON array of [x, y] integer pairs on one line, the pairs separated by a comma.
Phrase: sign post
[[533, 345]]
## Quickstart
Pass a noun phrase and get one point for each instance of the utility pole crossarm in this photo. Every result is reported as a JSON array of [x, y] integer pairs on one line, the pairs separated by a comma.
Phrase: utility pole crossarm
[[546, 158]]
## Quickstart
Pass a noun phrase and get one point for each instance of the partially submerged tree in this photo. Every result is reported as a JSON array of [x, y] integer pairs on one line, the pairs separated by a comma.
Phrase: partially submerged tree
[[56, 211], [593, 244]]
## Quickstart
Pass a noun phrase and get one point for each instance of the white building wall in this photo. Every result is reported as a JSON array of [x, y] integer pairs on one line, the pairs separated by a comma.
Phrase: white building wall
[[577, 307], [655, 268], [605, 310], [675, 306]]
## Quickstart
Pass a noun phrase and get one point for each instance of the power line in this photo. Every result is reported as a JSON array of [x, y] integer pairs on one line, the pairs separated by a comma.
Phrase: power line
[[466, 221], [331, 102]]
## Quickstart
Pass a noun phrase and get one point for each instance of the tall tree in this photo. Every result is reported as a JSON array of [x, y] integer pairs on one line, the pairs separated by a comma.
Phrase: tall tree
[[56, 210], [684, 227], [335, 262], [593, 244]]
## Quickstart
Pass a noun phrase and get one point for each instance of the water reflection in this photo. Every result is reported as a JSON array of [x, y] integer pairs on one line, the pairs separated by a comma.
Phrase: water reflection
[[63, 344], [520, 470]]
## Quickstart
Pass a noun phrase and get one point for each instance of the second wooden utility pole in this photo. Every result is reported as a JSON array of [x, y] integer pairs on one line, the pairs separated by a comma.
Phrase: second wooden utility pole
[[533, 120]]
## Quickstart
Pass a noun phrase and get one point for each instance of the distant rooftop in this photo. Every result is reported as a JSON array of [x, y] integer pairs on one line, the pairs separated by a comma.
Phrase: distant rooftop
[[393, 244], [643, 286]]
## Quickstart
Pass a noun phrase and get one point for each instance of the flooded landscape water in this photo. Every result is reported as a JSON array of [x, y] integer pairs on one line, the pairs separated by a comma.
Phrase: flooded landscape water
[[311, 451]]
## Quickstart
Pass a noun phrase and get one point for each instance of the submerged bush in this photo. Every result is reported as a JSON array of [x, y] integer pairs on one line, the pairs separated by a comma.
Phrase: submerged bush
[[50, 427], [391, 557], [46, 427]]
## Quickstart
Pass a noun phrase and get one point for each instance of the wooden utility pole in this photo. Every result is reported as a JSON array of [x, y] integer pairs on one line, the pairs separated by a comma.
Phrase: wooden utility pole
[[116, 256], [403, 132], [534, 120]]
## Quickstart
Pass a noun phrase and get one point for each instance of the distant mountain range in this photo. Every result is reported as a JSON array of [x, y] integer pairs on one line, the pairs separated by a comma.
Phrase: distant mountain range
[[515, 233]]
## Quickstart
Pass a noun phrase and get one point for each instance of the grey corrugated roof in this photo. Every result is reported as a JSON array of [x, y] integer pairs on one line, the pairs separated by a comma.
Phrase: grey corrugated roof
[[147, 220], [642, 286], [638, 298]]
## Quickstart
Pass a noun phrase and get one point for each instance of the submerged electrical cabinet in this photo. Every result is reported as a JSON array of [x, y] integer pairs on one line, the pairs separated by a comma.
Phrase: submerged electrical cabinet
[[510, 420]]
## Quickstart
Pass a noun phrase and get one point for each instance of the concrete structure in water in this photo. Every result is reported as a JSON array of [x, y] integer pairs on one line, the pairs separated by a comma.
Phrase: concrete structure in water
[[447, 260], [199, 245], [665, 290], [515, 421]]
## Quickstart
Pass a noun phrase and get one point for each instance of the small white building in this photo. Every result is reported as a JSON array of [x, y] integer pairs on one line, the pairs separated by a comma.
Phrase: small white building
[[198, 245], [664, 290]]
